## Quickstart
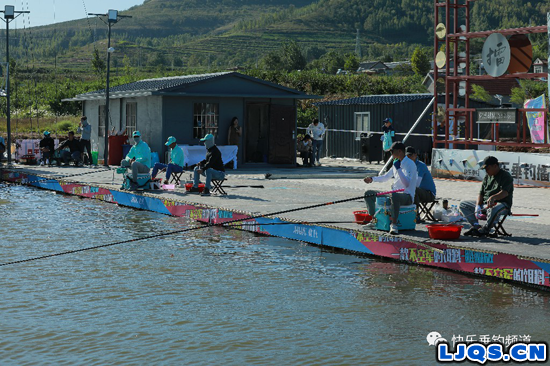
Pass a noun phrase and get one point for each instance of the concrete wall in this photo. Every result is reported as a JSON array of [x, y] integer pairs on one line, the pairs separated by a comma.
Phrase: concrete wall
[[149, 120]]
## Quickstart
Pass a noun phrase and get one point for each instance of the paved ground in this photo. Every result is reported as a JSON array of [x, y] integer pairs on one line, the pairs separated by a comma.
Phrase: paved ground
[[340, 179]]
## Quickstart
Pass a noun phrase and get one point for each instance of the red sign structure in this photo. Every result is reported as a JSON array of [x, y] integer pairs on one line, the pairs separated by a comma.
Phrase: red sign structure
[[452, 29]]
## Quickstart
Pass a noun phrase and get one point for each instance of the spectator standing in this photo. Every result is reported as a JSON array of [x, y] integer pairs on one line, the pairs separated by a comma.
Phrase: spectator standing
[[86, 130], [317, 131], [235, 131], [387, 138]]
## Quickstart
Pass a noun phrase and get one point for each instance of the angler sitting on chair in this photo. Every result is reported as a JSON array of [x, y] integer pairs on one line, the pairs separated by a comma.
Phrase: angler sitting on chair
[[496, 194], [139, 160], [176, 160], [211, 167]]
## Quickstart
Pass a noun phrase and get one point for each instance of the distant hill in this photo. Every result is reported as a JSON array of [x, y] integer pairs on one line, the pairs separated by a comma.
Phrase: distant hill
[[235, 32]]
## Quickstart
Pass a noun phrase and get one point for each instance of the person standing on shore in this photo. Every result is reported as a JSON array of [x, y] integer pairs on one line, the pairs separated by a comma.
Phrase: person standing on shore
[[86, 130], [317, 131], [387, 138], [235, 131]]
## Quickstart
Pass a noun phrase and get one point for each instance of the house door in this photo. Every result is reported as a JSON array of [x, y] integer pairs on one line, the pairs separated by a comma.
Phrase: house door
[[282, 124], [256, 147]]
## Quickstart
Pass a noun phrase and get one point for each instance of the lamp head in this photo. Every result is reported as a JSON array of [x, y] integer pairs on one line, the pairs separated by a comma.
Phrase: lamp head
[[9, 12], [112, 16], [111, 49]]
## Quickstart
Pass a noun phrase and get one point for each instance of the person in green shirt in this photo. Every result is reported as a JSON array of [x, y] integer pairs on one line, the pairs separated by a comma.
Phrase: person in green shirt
[[494, 199], [138, 158], [176, 160]]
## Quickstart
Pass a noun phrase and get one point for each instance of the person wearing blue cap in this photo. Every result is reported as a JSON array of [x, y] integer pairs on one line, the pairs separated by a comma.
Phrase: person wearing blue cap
[[47, 147], [138, 158], [176, 160], [387, 138], [211, 167]]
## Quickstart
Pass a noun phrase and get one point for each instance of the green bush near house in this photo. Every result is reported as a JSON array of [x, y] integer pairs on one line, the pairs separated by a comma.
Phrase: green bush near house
[[65, 126]]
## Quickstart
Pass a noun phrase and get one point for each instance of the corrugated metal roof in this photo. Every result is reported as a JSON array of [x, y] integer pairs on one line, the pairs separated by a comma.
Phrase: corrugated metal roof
[[159, 83], [378, 99]]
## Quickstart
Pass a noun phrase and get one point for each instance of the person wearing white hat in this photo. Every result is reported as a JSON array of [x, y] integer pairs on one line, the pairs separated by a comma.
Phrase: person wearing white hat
[[211, 167], [176, 160], [138, 158]]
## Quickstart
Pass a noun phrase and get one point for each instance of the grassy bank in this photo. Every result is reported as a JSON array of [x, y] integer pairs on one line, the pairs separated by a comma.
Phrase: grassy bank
[[34, 127]]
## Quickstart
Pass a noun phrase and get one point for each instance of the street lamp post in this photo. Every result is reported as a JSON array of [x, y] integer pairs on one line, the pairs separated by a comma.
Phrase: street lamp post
[[112, 18], [9, 15]]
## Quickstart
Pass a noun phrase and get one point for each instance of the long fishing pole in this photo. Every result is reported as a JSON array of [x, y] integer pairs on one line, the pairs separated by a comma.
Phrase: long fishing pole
[[25, 182], [197, 228]]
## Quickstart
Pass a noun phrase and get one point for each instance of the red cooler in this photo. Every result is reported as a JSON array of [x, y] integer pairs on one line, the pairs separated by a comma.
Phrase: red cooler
[[115, 149]]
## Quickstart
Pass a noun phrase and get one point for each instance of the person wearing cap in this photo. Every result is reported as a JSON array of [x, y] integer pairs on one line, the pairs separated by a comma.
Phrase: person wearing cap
[[86, 130], [404, 173], [74, 152], [425, 186], [387, 137], [317, 132], [47, 147], [176, 160], [494, 199], [211, 167], [138, 158]]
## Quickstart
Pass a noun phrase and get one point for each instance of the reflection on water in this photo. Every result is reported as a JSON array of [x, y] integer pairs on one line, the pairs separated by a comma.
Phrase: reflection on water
[[215, 296]]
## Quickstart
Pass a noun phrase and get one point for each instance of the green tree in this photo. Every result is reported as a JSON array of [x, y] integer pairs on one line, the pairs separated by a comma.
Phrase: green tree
[[292, 57], [420, 61], [352, 62], [98, 64]]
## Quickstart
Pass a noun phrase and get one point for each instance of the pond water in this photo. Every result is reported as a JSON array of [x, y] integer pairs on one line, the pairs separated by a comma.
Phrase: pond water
[[215, 296]]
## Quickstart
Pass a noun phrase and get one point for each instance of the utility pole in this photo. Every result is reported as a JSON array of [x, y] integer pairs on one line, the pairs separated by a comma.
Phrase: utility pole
[[9, 16], [112, 18], [358, 46]]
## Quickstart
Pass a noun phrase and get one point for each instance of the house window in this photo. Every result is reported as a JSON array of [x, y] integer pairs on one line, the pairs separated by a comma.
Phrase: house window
[[131, 118], [205, 119], [538, 69], [362, 123], [101, 122]]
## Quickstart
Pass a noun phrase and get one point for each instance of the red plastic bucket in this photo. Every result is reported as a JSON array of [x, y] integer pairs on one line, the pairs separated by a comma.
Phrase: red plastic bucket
[[362, 217], [444, 232], [189, 185]]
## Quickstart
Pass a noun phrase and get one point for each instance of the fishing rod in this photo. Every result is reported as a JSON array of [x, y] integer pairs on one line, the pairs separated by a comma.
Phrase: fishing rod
[[223, 224], [24, 182]]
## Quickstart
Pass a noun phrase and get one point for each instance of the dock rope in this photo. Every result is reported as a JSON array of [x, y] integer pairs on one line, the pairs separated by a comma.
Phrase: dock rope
[[223, 224]]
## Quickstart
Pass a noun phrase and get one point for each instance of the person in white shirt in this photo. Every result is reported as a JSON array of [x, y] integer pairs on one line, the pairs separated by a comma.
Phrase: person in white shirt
[[405, 175], [317, 131]]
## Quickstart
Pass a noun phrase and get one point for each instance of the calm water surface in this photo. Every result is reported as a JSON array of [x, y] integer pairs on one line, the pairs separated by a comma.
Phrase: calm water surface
[[218, 297]]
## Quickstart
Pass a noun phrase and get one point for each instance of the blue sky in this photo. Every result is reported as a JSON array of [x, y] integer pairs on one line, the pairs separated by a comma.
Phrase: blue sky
[[56, 11]]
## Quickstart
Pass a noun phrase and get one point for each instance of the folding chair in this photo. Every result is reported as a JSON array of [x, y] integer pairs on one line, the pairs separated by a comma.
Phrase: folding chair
[[425, 210], [176, 177], [217, 186], [499, 228]]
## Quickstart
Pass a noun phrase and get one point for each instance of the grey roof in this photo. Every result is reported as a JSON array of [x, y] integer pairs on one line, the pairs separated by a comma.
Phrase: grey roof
[[175, 86], [378, 99], [150, 85]]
